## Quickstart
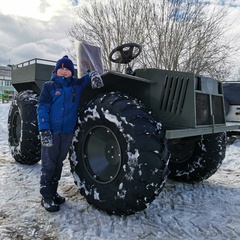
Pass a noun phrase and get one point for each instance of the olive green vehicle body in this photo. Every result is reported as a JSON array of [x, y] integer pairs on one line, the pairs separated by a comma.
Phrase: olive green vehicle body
[[186, 105]]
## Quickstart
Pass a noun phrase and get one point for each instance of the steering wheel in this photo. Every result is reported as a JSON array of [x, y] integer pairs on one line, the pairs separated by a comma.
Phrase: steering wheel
[[125, 53]]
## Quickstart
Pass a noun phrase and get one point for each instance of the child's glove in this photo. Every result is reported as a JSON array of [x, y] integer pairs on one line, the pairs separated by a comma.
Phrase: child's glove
[[96, 80], [46, 138]]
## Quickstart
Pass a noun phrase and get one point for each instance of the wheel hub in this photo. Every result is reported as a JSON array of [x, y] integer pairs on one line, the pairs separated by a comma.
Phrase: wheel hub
[[16, 129], [102, 154]]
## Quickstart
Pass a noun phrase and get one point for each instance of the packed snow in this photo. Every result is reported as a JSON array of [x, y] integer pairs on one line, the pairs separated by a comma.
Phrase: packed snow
[[208, 210]]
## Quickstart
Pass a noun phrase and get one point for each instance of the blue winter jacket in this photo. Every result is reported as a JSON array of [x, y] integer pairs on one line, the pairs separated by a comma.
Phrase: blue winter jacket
[[58, 103]]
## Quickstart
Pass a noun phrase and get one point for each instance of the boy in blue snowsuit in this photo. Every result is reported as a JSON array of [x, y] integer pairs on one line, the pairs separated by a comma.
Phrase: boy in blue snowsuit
[[57, 113]]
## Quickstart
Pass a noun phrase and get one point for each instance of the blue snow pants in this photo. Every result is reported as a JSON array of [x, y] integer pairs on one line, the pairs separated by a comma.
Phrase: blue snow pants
[[52, 163]]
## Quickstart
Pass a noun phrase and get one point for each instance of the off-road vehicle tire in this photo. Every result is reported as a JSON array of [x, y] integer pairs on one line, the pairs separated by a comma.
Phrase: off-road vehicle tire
[[23, 129], [119, 158], [196, 159]]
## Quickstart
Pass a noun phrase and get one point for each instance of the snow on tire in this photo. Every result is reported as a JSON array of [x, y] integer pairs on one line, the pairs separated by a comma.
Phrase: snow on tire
[[119, 158], [22, 128], [196, 159]]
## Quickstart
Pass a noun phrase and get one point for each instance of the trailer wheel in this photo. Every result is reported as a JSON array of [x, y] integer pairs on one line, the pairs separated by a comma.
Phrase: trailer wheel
[[119, 159], [22, 128], [196, 159]]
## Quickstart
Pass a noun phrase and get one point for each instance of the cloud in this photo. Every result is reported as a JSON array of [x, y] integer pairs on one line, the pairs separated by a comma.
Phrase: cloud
[[39, 31], [46, 49], [24, 38], [43, 6]]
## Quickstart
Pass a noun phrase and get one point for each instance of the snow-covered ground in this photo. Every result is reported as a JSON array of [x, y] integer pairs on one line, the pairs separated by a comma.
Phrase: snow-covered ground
[[209, 210]]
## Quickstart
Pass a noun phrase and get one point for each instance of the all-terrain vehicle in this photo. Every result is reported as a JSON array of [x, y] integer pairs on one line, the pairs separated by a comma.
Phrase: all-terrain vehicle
[[143, 126]]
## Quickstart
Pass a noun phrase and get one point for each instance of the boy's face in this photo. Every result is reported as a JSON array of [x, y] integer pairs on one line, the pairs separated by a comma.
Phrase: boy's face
[[65, 72]]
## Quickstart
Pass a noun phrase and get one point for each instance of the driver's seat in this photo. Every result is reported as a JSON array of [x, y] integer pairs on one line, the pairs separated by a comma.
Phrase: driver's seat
[[89, 58]]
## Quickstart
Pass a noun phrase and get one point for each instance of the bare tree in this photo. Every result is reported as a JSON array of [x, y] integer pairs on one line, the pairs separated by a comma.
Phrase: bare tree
[[109, 24], [184, 35], [235, 75]]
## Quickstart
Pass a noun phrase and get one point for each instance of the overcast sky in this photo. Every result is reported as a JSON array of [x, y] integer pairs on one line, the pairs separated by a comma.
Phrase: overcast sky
[[38, 28], [34, 29]]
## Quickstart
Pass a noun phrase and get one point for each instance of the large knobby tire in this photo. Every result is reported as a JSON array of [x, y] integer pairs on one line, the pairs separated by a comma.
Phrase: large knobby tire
[[196, 159], [23, 129], [119, 158]]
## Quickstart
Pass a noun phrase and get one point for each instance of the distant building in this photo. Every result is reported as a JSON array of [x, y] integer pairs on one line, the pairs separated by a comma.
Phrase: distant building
[[7, 91]]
